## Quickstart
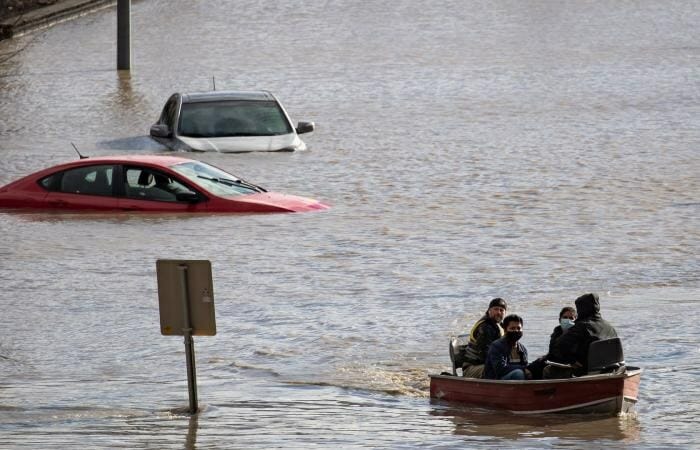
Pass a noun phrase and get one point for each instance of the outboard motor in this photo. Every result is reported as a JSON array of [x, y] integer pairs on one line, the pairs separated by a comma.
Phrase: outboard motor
[[458, 347], [606, 356]]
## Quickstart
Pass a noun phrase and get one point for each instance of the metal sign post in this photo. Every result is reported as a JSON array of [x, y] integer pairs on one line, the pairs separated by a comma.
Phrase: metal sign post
[[186, 301], [189, 342]]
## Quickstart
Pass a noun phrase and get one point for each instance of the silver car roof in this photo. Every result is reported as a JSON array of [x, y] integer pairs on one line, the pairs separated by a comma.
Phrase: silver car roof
[[209, 96]]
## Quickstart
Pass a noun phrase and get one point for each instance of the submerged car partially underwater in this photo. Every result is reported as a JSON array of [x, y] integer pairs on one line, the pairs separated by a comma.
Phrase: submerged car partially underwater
[[228, 122], [146, 183]]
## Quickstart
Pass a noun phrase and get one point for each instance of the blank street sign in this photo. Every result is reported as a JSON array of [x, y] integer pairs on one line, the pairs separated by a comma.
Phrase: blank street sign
[[185, 284]]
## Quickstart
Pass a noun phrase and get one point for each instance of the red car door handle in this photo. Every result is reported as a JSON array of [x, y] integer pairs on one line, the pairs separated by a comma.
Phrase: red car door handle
[[58, 203]]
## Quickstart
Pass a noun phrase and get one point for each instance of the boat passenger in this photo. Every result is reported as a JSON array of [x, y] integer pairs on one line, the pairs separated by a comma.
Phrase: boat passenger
[[567, 316], [572, 347], [483, 333], [507, 357]]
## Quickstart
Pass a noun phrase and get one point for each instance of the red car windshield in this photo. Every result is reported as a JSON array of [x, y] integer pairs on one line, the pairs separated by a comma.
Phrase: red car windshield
[[215, 180]]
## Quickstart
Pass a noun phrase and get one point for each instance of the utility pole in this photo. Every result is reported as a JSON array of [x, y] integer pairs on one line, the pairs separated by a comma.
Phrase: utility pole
[[123, 34]]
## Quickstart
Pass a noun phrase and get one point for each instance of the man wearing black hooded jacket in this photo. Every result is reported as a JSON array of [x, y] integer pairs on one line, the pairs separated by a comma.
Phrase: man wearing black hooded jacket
[[572, 346]]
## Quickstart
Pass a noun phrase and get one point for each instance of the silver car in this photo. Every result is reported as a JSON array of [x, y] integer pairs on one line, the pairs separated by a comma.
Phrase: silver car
[[228, 122]]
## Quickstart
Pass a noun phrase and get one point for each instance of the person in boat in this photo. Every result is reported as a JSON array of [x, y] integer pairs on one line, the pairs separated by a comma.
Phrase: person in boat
[[567, 316], [507, 356], [486, 330], [572, 347]]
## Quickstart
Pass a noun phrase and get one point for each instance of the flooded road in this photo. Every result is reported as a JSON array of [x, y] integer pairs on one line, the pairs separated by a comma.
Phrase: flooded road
[[530, 150]]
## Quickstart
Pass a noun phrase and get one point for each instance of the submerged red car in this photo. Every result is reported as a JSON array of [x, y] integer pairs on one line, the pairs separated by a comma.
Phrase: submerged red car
[[146, 183]]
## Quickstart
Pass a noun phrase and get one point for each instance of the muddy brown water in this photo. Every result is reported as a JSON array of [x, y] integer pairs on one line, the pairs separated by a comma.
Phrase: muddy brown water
[[529, 150]]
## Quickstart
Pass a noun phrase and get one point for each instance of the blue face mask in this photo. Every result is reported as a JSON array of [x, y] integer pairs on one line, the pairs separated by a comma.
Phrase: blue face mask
[[566, 323]]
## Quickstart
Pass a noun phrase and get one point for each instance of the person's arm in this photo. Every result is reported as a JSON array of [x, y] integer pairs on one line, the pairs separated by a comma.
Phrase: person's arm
[[483, 341], [524, 362], [556, 334], [498, 360]]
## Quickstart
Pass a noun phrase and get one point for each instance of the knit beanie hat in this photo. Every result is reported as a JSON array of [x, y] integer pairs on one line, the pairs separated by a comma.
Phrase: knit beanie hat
[[498, 302]]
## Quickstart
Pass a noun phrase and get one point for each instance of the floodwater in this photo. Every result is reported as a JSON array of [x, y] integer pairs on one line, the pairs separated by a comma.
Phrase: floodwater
[[534, 150]]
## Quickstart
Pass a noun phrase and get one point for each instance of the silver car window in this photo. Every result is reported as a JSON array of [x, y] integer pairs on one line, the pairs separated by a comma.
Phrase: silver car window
[[233, 118]]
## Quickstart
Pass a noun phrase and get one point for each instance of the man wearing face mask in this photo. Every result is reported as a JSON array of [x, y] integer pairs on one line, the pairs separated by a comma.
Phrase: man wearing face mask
[[507, 357]]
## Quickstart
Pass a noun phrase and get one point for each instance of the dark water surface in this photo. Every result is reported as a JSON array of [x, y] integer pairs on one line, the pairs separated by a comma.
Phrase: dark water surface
[[534, 150]]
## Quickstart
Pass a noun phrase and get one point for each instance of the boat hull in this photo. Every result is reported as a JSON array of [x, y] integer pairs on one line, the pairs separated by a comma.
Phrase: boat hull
[[609, 394]]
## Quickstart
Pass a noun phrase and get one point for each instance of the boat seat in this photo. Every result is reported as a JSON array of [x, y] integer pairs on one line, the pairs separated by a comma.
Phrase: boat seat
[[605, 356]]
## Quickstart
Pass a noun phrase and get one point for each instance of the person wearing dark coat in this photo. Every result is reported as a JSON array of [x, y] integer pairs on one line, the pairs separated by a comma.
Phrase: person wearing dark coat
[[567, 316], [507, 357], [483, 333], [572, 346]]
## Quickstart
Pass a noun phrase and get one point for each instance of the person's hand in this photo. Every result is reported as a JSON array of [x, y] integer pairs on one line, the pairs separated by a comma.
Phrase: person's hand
[[528, 374]]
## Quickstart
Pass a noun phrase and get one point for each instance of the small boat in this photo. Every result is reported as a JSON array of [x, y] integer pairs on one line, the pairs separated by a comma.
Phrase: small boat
[[608, 393], [610, 387]]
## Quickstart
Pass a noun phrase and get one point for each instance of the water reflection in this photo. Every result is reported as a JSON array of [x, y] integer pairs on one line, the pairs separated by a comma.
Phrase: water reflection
[[192, 425], [191, 437], [479, 422]]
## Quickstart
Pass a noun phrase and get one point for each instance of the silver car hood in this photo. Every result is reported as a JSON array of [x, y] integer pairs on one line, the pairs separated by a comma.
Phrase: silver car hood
[[245, 143]]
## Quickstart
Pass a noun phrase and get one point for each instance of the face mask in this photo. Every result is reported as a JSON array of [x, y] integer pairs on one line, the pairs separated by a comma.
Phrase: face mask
[[566, 323], [514, 336]]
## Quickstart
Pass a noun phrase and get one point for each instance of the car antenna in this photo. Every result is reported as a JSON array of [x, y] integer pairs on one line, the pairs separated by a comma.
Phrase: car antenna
[[213, 81], [77, 151]]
